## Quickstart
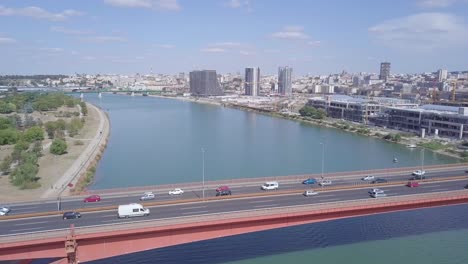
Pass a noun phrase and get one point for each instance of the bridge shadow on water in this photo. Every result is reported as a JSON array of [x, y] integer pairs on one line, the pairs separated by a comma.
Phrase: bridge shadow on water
[[305, 237]]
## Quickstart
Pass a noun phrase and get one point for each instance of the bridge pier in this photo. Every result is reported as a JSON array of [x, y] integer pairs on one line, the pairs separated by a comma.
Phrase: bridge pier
[[71, 246]]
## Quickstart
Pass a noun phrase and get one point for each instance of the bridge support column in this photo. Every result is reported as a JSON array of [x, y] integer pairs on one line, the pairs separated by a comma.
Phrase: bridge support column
[[71, 246]]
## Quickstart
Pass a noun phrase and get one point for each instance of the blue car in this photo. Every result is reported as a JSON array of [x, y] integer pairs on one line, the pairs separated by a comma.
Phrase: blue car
[[310, 181]]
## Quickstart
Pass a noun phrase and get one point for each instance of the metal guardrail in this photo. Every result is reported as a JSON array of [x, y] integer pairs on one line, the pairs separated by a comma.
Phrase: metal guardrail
[[241, 182], [321, 208], [357, 185]]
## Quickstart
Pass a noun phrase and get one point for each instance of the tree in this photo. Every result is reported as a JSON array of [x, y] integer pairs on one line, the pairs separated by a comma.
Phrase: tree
[[24, 174], [50, 128], [58, 147], [6, 123], [6, 108], [6, 165], [37, 148], [312, 112], [74, 126], [84, 109], [8, 136], [33, 134]]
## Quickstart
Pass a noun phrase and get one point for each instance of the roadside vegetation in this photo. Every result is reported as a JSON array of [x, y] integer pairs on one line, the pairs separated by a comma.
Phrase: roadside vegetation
[[25, 134], [312, 112]]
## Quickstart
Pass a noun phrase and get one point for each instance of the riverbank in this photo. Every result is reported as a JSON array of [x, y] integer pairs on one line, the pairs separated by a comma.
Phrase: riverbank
[[53, 170], [447, 147]]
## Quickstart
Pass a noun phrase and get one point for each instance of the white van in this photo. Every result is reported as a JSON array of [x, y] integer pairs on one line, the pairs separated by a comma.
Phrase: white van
[[134, 209], [273, 185]]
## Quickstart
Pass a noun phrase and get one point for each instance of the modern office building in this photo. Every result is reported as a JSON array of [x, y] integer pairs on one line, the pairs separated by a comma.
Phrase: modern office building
[[384, 71], [204, 83], [285, 80], [252, 81], [442, 75]]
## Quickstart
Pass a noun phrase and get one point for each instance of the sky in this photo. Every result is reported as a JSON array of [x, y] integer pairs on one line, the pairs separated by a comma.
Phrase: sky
[[171, 36]]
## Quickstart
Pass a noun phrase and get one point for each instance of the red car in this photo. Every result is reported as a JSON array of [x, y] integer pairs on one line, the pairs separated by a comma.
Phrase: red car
[[412, 184], [92, 198]]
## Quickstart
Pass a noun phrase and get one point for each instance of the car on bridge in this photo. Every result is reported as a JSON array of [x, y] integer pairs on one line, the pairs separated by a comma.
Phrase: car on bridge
[[176, 191], [418, 173], [92, 198], [310, 193], [368, 178], [325, 183], [147, 196], [309, 181], [273, 185], [223, 190], [412, 184], [466, 186], [377, 195], [4, 210], [375, 190], [379, 180], [71, 215]]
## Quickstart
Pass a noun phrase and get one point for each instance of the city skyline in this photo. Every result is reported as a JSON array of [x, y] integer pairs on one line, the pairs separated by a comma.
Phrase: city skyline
[[171, 36]]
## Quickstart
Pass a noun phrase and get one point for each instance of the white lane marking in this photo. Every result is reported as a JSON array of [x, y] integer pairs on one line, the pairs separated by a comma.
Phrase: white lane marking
[[108, 215], [26, 229], [440, 189], [430, 186], [394, 194], [34, 223], [25, 208], [263, 201], [113, 220], [326, 195], [199, 212], [265, 205], [329, 200], [195, 207]]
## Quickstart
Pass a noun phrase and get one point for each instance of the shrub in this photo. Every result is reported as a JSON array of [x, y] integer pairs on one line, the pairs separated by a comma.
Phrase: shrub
[[34, 133], [58, 147], [8, 136]]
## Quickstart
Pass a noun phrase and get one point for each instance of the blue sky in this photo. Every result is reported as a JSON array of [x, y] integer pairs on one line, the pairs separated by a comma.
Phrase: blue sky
[[170, 36]]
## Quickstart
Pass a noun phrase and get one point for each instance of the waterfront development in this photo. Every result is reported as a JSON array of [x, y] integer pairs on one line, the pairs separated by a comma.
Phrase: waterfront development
[[159, 141]]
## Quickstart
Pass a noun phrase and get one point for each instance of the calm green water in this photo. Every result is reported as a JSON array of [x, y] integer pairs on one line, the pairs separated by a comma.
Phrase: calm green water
[[443, 247], [158, 141]]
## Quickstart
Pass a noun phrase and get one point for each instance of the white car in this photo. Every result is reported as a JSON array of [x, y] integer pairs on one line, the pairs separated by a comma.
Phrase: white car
[[325, 182], [270, 186], [4, 210], [368, 178], [176, 191], [377, 195], [147, 196], [419, 173], [310, 193], [376, 191]]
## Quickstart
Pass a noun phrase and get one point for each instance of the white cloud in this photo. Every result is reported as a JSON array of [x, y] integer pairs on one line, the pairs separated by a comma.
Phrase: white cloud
[[69, 31], [38, 13], [291, 32], [245, 52], [89, 58], [271, 50], [171, 5], [240, 4], [226, 44], [4, 40], [102, 39], [422, 32], [314, 43], [52, 49], [214, 50], [435, 3], [165, 46]]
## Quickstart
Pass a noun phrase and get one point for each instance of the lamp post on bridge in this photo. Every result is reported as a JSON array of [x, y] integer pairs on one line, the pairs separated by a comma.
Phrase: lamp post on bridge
[[203, 173], [323, 159]]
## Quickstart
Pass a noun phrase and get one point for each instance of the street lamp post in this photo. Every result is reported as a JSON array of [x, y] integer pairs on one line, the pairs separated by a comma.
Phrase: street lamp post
[[323, 156], [203, 173], [422, 161]]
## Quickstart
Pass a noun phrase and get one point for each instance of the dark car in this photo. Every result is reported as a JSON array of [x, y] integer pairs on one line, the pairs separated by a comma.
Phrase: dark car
[[466, 186], [71, 215], [309, 181], [223, 190], [92, 198], [379, 180]]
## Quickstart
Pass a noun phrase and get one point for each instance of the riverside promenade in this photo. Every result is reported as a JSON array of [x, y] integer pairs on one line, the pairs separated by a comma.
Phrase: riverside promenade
[[86, 158]]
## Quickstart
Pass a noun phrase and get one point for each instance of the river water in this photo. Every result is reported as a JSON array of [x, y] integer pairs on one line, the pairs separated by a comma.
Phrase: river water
[[159, 141], [434, 235]]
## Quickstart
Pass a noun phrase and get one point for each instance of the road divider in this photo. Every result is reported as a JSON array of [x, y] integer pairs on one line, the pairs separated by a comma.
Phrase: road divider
[[239, 196]]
